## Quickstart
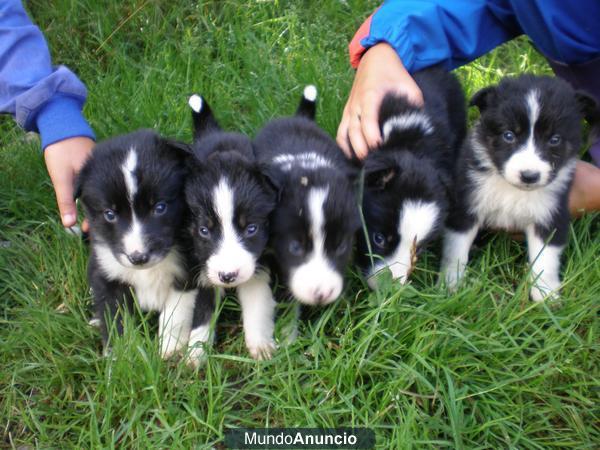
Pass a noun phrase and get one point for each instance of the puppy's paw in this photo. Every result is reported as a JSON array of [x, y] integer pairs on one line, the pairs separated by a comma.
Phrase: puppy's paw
[[261, 350], [196, 356], [451, 280], [169, 345], [539, 294]]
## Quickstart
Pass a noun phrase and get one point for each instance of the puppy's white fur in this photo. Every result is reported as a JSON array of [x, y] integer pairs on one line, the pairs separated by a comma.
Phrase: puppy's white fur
[[231, 256], [413, 119], [258, 312], [416, 221], [315, 281]]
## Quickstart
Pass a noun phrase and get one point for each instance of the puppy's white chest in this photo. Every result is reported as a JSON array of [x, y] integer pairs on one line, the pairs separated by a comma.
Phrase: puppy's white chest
[[498, 204], [151, 286]]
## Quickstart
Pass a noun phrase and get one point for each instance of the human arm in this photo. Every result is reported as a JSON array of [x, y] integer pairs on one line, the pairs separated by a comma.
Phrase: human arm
[[44, 99], [404, 36]]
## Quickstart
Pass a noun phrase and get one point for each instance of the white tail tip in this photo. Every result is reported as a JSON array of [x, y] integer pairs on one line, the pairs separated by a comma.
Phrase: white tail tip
[[310, 92], [195, 102]]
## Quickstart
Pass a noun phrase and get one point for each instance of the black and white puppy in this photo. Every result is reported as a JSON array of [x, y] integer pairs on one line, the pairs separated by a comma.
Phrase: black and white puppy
[[230, 202], [316, 217], [132, 191], [407, 179], [515, 172]]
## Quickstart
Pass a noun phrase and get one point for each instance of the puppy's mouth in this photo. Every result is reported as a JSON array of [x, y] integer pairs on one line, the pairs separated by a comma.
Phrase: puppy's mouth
[[527, 187]]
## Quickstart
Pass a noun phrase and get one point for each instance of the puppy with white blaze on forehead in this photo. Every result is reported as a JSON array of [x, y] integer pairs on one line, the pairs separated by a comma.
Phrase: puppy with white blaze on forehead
[[132, 191], [313, 225], [515, 172], [409, 177], [230, 202]]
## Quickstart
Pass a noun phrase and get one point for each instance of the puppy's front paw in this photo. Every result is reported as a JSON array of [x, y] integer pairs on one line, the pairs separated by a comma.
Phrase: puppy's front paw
[[261, 350], [539, 294], [451, 279], [196, 356], [169, 345]]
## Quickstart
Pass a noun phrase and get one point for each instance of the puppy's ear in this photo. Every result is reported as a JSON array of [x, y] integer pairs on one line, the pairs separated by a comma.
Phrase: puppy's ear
[[485, 97], [379, 178], [308, 103], [178, 147], [273, 178], [80, 180], [588, 107], [202, 117]]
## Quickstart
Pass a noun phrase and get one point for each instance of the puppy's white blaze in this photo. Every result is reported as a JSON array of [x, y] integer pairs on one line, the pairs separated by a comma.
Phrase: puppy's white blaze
[[417, 220], [533, 107], [414, 119], [258, 313], [176, 320], [310, 93], [527, 158], [545, 266], [128, 168], [231, 256], [199, 337], [133, 240], [316, 204], [316, 281], [455, 255], [195, 103]]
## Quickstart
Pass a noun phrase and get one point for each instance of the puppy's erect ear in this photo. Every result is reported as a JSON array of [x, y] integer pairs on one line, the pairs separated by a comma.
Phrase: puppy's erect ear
[[180, 148], [202, 117], [308, 103], [483, 98], [588, 107]]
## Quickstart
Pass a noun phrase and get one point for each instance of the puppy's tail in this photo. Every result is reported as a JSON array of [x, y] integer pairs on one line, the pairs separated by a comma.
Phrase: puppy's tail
[[308, 103], [202, 117]]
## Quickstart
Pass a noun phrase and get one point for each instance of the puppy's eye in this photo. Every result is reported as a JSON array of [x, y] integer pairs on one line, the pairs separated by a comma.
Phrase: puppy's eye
[[379, 239], [296, 248], [555, 140], [341, 249], [251, 230], [204, 232], [110, 215], [160, 208], [509, 137]]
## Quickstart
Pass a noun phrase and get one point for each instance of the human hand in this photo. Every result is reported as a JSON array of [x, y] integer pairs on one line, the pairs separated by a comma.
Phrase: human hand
[[64, 159], [380, 72]]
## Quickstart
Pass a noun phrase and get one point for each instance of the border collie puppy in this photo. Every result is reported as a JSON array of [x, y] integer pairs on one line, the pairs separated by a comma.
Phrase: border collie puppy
[[132, 191], [316, 217], [515, 172], [230, 202], [407, 179]]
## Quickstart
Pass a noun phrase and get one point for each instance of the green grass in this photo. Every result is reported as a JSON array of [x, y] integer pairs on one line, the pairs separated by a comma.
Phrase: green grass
[[483, 368]]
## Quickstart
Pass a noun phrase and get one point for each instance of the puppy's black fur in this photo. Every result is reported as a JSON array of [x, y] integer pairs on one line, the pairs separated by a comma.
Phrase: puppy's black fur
[[515, 172], [132, 191], [316, 216], [407, 179], [230, 202]]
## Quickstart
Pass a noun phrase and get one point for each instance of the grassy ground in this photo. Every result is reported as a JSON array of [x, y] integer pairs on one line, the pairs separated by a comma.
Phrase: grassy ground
[[482, 368]]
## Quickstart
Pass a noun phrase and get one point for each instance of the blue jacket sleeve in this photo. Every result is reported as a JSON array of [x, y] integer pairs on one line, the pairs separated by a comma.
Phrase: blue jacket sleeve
[[42, 98], [429, 32]]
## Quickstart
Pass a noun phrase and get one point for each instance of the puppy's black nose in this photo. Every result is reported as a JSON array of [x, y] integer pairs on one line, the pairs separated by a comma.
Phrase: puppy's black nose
[[530, 176], [138, 258], [228, 277]]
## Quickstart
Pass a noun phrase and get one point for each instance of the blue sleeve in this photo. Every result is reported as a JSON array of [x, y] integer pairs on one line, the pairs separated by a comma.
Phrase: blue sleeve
[[448, 32], [42, 98]]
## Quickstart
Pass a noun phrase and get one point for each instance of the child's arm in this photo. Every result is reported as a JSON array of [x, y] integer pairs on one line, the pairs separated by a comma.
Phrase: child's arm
[[402, 37], [44, 99]]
